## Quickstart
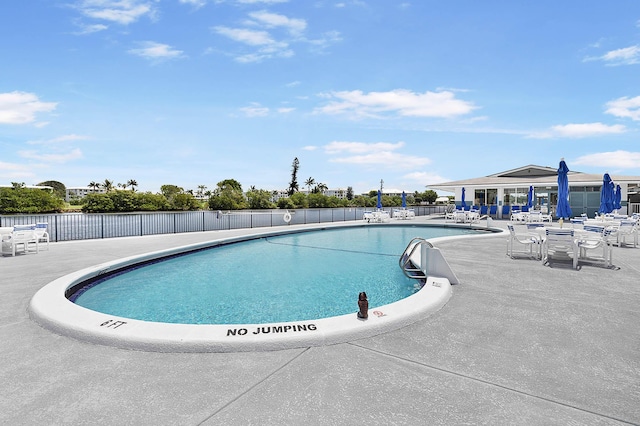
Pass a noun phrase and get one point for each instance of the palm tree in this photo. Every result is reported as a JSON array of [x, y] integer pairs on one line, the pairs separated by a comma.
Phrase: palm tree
[[132, 183], [107, 185], [309, 182], [94, 185], [321, 187]]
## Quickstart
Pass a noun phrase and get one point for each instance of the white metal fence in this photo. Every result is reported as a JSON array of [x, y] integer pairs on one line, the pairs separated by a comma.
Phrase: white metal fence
[[85, 226]]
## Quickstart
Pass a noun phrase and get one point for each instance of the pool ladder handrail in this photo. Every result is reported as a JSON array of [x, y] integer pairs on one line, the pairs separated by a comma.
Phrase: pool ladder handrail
[[405, 260]]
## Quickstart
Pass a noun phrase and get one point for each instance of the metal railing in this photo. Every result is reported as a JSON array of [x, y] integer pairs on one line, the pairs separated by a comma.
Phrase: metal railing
[[86, 226], [633, 208]]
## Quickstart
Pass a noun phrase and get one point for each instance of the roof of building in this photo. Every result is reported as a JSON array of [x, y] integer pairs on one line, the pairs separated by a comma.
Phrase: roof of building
[[531, 175]]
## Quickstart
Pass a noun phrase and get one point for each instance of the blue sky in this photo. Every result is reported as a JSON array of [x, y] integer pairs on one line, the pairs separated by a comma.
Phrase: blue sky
[[192, 92]]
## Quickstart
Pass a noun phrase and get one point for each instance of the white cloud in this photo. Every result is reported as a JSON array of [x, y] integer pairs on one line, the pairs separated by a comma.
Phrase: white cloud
[[196, 3], [123, 12], [310, 148], [625, 107], [379, 154], [579, 131], [586, 130], [246, 36], [624, 56], [255, 110], [262, 1], [613, 160], [22, 107], [285, 110], [90, 29], [400, 101], [425, 178], [156, 51], [272, 20], [60, 139], [361, 147], [52, 158], [10, 171]]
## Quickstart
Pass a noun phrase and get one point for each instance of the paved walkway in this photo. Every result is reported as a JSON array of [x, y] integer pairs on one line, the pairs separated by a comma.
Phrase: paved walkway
[[518, 343]]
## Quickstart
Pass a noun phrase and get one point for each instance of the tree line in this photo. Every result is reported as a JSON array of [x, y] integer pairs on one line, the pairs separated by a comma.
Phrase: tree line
[[227, 195]]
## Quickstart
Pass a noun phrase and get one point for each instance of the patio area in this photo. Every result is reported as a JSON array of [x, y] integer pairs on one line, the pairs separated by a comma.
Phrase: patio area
[[517, 343]]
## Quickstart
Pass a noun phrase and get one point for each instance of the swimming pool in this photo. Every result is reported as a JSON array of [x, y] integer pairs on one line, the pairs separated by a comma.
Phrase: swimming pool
[[294, 277], [51, 308]]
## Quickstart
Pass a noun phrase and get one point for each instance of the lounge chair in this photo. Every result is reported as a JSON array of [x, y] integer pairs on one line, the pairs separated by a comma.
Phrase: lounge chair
[[595, 238], [450, 213], [560, 244], [493, 211], [627, 229], [21, 239], [528, 240], [41, 233], [506, 211]]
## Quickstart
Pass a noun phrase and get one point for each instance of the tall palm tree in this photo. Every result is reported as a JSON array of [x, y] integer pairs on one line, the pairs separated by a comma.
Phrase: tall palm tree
[[309, 182], [321, 187], [107, 185], [132, 183], [94, 185]]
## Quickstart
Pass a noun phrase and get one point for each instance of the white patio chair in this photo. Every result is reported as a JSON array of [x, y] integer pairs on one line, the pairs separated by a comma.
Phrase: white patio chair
[[596, 238], [535, 216], [560, 244], [42, 233], [627, 229], [21, 239], [530, 242], [460, 216], [450, 213]]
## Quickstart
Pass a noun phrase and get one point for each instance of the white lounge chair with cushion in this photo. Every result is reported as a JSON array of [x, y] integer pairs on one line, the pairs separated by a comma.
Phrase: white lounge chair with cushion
[[596, 238], [42, 233], [21, 239], [627, 229], [529, 241], [560, 244]]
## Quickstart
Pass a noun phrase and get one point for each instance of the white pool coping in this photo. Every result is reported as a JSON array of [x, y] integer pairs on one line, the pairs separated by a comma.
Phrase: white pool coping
[[51, 309]]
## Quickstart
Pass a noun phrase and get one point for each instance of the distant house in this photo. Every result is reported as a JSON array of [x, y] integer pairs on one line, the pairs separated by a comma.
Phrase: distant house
[[79, 192], [511, 188]]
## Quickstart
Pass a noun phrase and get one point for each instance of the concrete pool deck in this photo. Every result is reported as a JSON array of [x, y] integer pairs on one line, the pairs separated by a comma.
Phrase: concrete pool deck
[[517, 343]]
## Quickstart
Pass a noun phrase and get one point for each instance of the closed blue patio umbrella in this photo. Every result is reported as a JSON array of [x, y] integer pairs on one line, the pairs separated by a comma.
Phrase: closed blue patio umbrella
[[463, 204], [530, 197], [404, 200], [379, 205], [563, 209], [617, 205], [606, 195]]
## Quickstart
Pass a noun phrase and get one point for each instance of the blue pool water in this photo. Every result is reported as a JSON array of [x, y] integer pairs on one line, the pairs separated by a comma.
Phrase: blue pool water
[[292, 277]]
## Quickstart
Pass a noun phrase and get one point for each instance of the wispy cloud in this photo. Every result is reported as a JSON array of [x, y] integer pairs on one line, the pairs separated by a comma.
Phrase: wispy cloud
[[358, 104], [271, 35], [255, 110], [15, 171], [196, 3], [123, 12], [579, 131], [22, 107], [90, 29], [379, 154], [60, 139], [74, 154], [612, 160], [261, 1], [624, 56], [156, 51], [625, 107], [273, 20]]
